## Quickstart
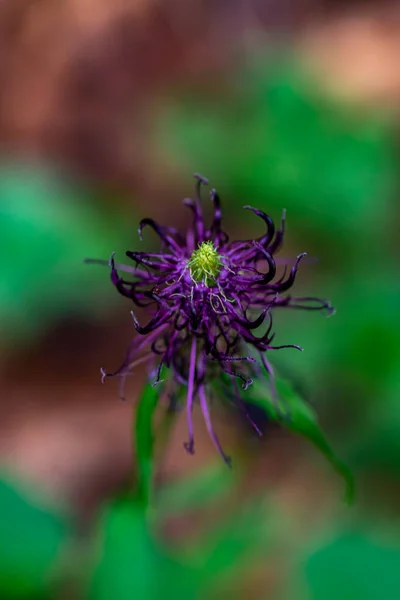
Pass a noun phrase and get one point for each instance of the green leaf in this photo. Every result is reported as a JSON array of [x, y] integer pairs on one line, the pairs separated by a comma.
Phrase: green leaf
[[302, 420], [354, 567], [128, 560], [144, 436], [31, 542], [130, 563]]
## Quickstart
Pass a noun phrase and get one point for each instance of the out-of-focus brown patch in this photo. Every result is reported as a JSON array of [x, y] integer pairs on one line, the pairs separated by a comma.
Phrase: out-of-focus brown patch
[[356, 55], [77, 77], [80, 454]]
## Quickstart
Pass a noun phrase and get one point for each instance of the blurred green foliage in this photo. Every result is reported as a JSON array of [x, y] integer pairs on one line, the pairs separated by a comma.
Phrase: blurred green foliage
[[32, 540], [132, 563], [277, 141], [127, 559], [48, 226], [355, 566]]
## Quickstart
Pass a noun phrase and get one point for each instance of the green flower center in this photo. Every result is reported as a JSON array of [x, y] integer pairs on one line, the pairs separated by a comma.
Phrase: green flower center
[[205, 264]]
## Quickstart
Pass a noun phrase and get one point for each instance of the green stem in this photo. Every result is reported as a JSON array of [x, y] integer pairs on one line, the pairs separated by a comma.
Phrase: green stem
[[143, 439]]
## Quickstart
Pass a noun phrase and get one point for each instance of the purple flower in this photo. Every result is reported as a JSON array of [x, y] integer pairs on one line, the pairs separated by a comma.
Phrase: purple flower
[[206, 298]]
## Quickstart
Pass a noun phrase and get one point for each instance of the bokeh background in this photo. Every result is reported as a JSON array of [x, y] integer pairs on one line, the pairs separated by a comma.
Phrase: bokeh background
[[107, 109]]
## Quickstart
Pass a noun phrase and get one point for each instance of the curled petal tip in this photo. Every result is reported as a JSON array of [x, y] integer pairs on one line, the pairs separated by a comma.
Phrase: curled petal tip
[[200, 178], [103, 375], [96, 261], [286, 346], [135, 319], [189, 447], [247, 384], [228, 461], [111, 260]]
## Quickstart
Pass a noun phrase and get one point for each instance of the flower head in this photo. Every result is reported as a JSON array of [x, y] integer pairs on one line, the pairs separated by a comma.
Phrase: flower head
[[207, 299]]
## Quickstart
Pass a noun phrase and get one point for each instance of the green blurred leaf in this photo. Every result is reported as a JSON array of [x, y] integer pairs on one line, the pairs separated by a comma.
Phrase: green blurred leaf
[[354, 567], [31, 541], [48, 227], [302, 420], [130, 562], [376, 444]]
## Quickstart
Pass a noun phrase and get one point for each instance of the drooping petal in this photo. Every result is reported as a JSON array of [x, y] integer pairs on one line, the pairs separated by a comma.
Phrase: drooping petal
[[189, 446], [210, 429]]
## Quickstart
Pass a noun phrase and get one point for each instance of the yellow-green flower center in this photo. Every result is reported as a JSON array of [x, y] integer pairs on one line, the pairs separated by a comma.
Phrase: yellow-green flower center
[[205, 264]]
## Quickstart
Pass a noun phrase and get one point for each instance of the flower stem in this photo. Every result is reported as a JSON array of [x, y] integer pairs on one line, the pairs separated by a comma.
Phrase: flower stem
[[143, 440]]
